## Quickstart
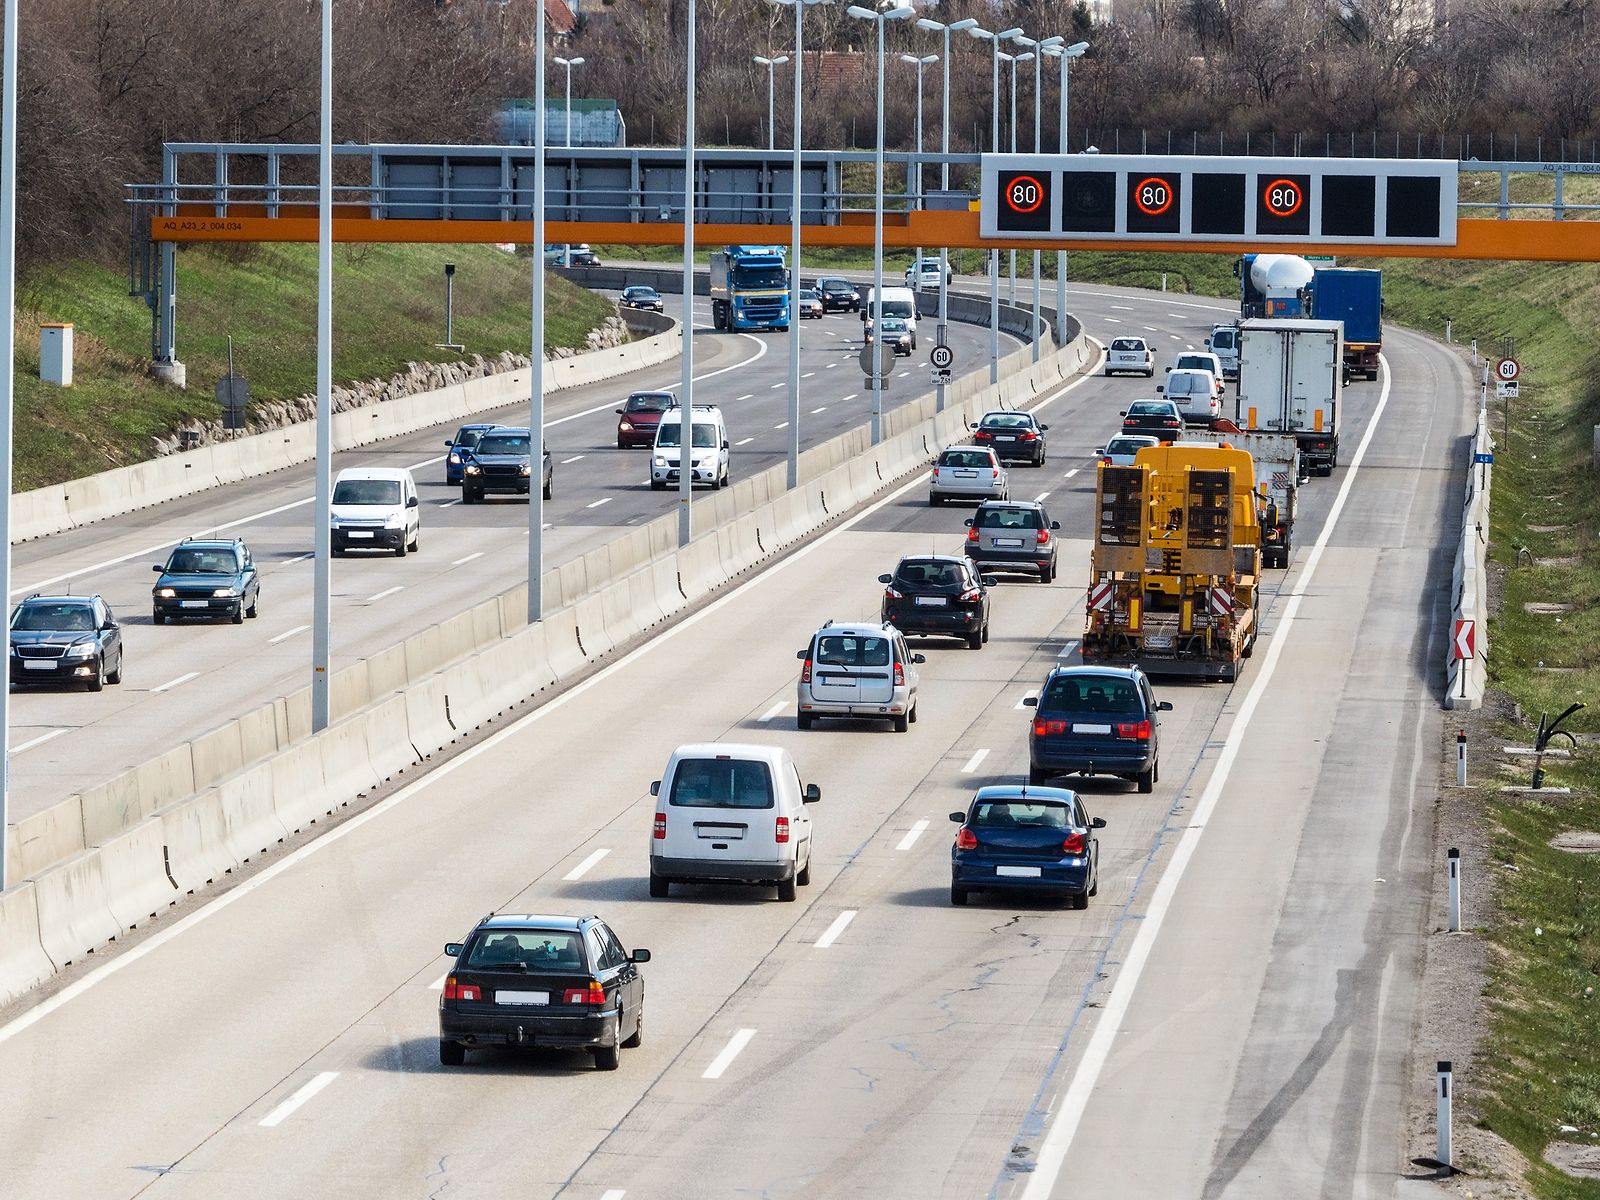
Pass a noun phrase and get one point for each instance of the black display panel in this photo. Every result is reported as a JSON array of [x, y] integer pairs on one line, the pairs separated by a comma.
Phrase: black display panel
[[1413, 207], [1283, 205], [1219, 202], [1024, 202], [1088, 201], [1154, 202], [1349, 206]]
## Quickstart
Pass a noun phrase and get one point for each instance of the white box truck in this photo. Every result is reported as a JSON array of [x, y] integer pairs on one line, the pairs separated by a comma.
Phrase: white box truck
[[1291, 379]]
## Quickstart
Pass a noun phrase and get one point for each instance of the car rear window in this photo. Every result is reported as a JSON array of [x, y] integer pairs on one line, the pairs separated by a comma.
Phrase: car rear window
[[1092, 694], [536, 951], [1194, 362], [466, 439], [1007, 518], [1007, 420], [1021, 814], [930, 574], [1150, 408], [851, 650], [1133, 344], [966, 458], [721, 783], [1129, 445]]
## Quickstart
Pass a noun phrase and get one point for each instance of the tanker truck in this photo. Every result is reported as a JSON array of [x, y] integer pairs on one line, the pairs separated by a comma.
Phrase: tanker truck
[[1273, 285]]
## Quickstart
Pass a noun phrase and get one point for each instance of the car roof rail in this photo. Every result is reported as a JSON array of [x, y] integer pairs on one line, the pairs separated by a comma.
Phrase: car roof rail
[[828, 624]]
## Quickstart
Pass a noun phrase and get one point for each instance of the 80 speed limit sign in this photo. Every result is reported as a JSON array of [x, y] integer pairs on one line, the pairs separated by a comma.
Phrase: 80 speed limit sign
[[1507, 369]]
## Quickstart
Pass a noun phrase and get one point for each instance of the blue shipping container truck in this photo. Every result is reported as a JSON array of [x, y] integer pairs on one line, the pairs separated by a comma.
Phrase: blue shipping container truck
[[1353, 295], [749, 288]]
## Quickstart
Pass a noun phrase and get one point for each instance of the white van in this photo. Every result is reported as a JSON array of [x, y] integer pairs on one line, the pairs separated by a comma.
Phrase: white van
[[897, 302], [1195, 394], [1223, 341], [376, 508], [708, 447], [731, 813]]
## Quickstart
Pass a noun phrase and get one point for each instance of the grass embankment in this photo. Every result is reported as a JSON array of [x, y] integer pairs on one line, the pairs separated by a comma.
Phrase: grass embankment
[[388, 311]]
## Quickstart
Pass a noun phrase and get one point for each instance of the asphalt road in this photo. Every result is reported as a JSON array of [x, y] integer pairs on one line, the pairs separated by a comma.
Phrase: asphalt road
[[1231, 1016]]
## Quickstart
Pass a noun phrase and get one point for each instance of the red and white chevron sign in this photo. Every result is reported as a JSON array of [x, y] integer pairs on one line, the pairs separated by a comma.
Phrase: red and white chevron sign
[[1465, 637], [1221, 601], [1100, 595]]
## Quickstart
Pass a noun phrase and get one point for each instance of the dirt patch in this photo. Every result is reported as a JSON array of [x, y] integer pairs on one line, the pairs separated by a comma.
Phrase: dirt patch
[[1567, 560], [1577, 841], [1545, 608], [1548, 528], [1576, 1159]]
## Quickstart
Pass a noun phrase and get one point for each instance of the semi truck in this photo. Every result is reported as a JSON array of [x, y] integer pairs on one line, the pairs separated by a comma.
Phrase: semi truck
[[1291, 380], [1276, 458], [749, 288], [1176, 563], [1273, 285], [1354, 296]]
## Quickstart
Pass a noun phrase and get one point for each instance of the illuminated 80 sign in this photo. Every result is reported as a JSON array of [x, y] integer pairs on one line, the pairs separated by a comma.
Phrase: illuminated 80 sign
[[1281, 206], [1154, 202], [1025, 201]]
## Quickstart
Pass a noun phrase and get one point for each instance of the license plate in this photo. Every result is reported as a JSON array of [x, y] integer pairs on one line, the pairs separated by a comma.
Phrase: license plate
[[1091, 729], [933, 601], [1158, 642], [33, 664], [359, 533], [1008, 541], [522, 997], [191, 604], [1018, 872], [721, 833], [966, 474], [1004, 437]]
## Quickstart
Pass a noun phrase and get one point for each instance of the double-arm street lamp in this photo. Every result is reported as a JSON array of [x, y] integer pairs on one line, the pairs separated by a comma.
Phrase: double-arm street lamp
[[1066, 54], [1040, 49], [771, 64], [914, 169], [994, 40]]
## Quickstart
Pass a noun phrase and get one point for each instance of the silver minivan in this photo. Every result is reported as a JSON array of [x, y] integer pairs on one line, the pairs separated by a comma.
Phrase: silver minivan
[[858, 670], [728, 812], [1195, 394]]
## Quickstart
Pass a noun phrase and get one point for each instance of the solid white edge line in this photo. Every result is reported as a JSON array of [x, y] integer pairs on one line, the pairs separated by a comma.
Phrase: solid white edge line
[[972, 763], [917, 829], [1064, 1124], [287, 1108], [38, 741], [573, 459], [724, 1060], [773, 711], [172, 683], [832, 932], [287, 634], [439, 774], [582, 869], [744, 441]]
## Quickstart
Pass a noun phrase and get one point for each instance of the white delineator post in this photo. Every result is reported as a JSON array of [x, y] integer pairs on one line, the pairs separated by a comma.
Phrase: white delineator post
[[1453, 870], [1442, 1090]]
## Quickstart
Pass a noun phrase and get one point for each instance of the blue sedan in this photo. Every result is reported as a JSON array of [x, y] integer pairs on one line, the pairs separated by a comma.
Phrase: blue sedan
[[466, 438], [1018, 837]]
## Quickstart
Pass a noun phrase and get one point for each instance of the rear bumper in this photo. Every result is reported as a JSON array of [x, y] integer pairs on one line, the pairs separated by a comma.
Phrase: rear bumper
[[1015, 560], [897, 706], [1099, 760], [534, 1026], [1014, 451], [1067, 876], [955, 620], [722, 870]]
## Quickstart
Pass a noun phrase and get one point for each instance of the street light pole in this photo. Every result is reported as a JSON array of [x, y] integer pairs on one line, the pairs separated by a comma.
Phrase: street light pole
[[1014, 59], [898, 13], [913, 167], [772, 64], [1066, 54], [536, 331], [686, 400], [569, 63], [322, 562], [8, 352], [1040, 49], [994, 40]]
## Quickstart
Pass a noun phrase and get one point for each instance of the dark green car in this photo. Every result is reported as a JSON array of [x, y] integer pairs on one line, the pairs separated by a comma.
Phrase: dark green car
[[207, 579]]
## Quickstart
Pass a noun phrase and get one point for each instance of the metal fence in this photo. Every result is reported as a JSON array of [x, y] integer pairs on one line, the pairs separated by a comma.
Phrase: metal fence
[[1464, 147]]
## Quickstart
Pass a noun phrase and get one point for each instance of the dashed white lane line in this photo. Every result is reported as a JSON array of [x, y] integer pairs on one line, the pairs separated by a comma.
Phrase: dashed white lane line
[[451, 503], [438, 984], [851, 396], [298, 558], [1039, 499], [582, 869], [461, 562], [172, 683], [287, 634], [1066, 650], [287, 1109], [38, 741], [750, 396], [832, 932], [902, 374], [573, 459], [808, 375], [1149, 328], [723, 1061], [912, 834], [773, 711], [830, 366], [781, 425], [972, 763], [1179, 316], [1175, 337], [1071, 473], [823, 409], [599, 502], [1112, 320], [613, 1194], [1019, 705], [779, 384], [744, 441], [1122, 307]]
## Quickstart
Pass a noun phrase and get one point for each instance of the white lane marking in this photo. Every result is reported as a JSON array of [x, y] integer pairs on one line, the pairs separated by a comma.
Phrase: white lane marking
[[599, 502], [1064, 1124], [461, 562], [1066, 650], [773, 711], [582, 869], [902, 374], [832, 932], [299, 558], [1019, 705], [288, 1107], [1188, 345], [850, 397], [38, 741], [1070, 473], [1121, 307], [972, 763], [172, 683], [1149, 329], [438, 984], [751, 396], [451, 503], [723, 1061], [808, 375], [573, 459], [779, 384], [912, 834], [1179, 316], [376, 596], [1174, 337], [614, 1194], [744, 441], [781, 425], [287, 634], [1040, 497], [830, 366], [1112, 320], [823, 409]]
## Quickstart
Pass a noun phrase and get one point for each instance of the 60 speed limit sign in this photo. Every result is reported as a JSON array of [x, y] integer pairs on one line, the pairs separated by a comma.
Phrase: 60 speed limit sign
[[1508, 369], [942, 357]]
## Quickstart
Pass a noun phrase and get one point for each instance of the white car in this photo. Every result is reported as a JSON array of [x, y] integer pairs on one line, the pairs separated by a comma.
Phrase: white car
[[1131, 355], [1198, 360], [1120, 450], [968, 473], [708, 448], [924, 273], [1195, 394], [375, 508], [860, 669]]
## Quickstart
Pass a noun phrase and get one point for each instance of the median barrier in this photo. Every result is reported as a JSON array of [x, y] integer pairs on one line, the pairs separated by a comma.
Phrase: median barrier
[[485, 620], [23, 962], [561, 642], [589, 613], [386, 670], [297, 785], [700, 566], [430, 722], [133, 867], [74, 910], [644, 609], [46, 838], [348, 690], [347, 769], [664, 577], [196, 836], [387, 732], [250, 823], [213, 755]]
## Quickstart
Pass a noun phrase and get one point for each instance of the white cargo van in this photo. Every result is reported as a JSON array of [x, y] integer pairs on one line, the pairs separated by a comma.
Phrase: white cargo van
[[1223, 341], [728, 812], [897, 302], [708, 447], [375, 508], [1195, 394]]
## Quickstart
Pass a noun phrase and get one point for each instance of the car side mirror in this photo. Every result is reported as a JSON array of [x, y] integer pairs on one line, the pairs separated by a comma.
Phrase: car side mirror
[[972, 426], [413, 502], [885, 578], [813, 793], [639, 956], [968, 522], [1055, 524], [800, 654], [1044, 427], [1160, 391], [655, 787], [1169, 370], [449, 445], [918, 658], [991, 581], [1163, 705], [959, 818], [619, 412], [1098, 823], [724, 443], [1030, 702], [1098, 452], [453, 949], [1123, 413], [159, 569]]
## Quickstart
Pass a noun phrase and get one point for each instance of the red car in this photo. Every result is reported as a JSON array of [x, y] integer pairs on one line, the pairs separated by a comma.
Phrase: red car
[[638, 418]]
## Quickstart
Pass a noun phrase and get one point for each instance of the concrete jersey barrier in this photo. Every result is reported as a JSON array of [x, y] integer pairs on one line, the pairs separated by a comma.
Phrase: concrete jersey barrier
[[1466, 680]]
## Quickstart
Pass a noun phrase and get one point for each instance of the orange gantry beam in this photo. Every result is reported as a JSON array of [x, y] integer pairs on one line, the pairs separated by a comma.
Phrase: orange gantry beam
[[1543, 241]]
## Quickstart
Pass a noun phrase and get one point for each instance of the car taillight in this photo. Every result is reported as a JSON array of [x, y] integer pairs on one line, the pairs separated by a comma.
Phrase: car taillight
[[1076, 843], [970, 596], [1107, 461], [982, 435], [966, 839], [899, 675], [1042, 536], [972, 535], [936, 472], [781, 831], [1172, 422], [890, 594], [1044, 728], [1134, 729], [593, 994], [805, 672], [660, 833], [461, 991], [1027, 435]]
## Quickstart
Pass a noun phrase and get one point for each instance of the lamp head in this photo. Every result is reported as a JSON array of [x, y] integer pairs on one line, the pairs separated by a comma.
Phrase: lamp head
[[865, 14], [899, 12], [1006, 35], [576, 62], [1050, 43], [969, 23], [982, 35], [930, 25], [1076, 50]]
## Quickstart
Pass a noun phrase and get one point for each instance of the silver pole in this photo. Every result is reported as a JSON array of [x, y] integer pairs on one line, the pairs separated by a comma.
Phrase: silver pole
[[1453, 870], [994, 255], [1061, 255], [569, 105], [8, 351], [686, 402], [877, 264], [322, 566], [944, 185], [536, 330], [772, 112], [794, 252], [1038, 74], [916, 182], [1011, 266]]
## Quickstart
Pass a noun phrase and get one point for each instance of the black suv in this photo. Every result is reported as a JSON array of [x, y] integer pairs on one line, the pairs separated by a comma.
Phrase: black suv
[[541, 981], [940, 595], [1096, 721], [838, 295], [500, 463], [206, 579], [65, 639]]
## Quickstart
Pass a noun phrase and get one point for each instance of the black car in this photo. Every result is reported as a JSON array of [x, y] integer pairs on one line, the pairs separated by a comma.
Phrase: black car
[[642, 297], [500, 463], [1162, 418], [1095, 720], [1026, 838], [65, 639], [540, 981], [938, 595], [206, 579], [839, 295], [1013, 436], [582, 256]]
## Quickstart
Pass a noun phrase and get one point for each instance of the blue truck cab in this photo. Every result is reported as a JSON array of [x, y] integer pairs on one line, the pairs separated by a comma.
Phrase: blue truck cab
[[749, 288], [1353, 295]]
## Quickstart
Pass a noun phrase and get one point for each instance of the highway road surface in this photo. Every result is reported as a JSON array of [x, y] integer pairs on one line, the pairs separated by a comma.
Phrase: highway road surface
[[1230, 1017]]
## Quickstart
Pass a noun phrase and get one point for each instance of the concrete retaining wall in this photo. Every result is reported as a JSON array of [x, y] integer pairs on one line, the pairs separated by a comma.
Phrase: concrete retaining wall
[[1466, 679]]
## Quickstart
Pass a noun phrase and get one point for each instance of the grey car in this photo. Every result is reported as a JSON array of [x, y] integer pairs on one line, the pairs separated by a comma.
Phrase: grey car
[[968, 473], [499, 463], [1013, 535]]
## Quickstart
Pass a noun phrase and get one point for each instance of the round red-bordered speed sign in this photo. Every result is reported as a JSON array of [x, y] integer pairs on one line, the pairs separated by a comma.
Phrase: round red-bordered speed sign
[[1024, 194], [1153, 196], [1507, 369], [1283, 197]]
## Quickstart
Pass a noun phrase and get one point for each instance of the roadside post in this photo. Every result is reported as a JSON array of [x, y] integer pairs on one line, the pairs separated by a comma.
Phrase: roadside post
[[1461, 758], [1442, 1118], [1453, 868]]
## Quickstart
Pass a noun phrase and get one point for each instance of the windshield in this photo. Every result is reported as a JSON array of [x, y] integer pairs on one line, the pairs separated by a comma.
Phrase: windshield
[[640, 293], [649, 402], [705, 435], [891, 308], [189, 561], [761, 277], [1222, 339], [545, 951], [367, 491], [504, 443], [53, 618], [721, 783]]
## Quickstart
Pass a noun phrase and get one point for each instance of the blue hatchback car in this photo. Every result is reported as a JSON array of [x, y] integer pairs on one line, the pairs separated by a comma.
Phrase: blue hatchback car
[[1017, 837], [1095, 720], [465, 439]]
